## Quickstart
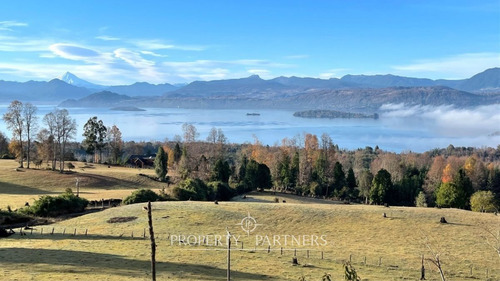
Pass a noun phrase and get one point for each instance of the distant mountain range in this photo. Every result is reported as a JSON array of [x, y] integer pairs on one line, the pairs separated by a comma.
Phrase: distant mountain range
[[359, 92]]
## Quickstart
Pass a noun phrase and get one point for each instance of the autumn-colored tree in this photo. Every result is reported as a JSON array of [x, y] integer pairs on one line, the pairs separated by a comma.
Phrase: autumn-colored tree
[[115, 142], [433, 179], [15, 122], [455, 193], [15, 148]]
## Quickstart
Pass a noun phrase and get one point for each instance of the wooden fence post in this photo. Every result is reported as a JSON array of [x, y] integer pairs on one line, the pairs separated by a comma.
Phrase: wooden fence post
[[64, 231], [85, 232], [422, 270], [321, 254], [281, 250], [153, 244], [350, 258], [228, 255]]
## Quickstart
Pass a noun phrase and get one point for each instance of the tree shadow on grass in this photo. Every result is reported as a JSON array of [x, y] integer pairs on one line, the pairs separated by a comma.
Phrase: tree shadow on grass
[[10, 188], [115, 264]]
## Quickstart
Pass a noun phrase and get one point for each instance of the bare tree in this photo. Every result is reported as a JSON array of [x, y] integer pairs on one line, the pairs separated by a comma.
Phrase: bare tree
[[66, 130], [492, 239], [435, 256], [31, 126], [212, 135], [115, 142], [14, 119], [190, 132], [50, 120]]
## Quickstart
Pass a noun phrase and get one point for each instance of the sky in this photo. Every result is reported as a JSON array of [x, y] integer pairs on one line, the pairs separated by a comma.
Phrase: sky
[[122, 42]]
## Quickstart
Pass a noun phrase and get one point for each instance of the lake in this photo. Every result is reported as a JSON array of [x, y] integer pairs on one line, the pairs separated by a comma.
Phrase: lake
[[398, 129]]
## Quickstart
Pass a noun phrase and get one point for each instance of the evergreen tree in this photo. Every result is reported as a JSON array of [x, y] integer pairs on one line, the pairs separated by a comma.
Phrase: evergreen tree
[[339, 179], [294, 170], [160, 163], [455, 194], [95, 133], [177, 153], [221, 171], [381, 185], [350, 189], [243, 167]]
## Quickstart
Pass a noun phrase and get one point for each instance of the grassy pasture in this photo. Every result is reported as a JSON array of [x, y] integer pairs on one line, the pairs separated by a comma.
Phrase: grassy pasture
[[96, 182], [109, 252]]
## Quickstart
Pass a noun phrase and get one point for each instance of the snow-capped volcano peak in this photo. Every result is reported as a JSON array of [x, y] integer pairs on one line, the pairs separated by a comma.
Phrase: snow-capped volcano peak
[[74, 80]]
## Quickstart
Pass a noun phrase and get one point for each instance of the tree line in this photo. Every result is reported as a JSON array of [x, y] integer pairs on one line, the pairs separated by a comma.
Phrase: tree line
[[306, 165]]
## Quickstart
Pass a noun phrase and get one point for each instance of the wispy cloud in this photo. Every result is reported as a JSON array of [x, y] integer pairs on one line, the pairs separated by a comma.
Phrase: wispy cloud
[[153, 54], [107, 38], [453, 67], [333, 73], [7, 25], [21, 44], [73, 52], [156, 44], [261, 72]]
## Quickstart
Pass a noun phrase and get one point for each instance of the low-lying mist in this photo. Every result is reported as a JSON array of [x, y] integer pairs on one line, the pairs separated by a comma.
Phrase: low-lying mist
[[448, 121]]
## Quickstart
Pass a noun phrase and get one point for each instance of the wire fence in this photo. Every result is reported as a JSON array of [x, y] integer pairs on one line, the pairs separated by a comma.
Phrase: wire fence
[[405, 266]]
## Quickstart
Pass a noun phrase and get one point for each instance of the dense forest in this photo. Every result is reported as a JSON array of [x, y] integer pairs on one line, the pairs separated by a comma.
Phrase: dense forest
[[306, 165]]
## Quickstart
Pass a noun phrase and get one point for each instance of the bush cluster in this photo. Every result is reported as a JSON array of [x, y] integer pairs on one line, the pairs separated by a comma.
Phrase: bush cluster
[[49, 206], [145, 195]]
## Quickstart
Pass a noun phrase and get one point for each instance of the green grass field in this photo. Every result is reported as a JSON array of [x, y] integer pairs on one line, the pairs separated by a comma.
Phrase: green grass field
[[109, 252], [96, 182]]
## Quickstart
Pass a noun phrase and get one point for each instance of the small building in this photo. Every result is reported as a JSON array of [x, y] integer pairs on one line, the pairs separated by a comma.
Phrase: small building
[[142, 161]]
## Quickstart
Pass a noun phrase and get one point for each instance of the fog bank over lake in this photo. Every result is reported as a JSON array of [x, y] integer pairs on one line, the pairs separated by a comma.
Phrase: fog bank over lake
[[399, 128]]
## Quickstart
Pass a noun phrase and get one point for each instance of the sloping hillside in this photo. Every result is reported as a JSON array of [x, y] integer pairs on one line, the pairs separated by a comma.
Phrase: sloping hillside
[[380, 248]]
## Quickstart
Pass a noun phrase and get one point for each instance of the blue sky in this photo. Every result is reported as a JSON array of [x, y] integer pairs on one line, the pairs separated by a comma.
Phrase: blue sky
[[121, 42]]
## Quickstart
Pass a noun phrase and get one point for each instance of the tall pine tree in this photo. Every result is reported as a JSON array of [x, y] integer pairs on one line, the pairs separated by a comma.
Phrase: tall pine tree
[[161, 161]]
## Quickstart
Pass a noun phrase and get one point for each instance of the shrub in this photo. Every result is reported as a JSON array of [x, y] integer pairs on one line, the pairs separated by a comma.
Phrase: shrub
[[70, 166], [11, 218], [140, 196], [420, 200], [196, 189], [483, 201], [49, 206], [222, 191], [183, 194]]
